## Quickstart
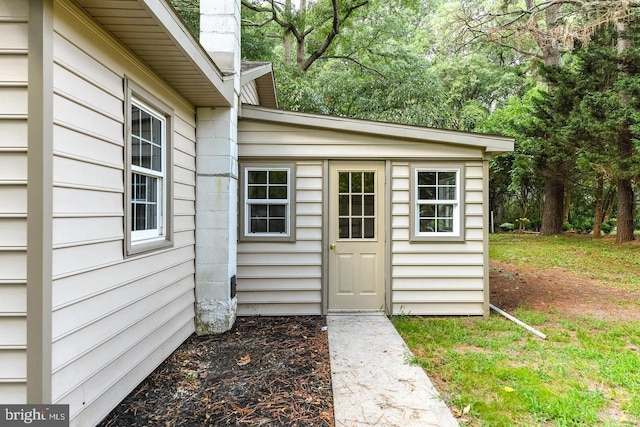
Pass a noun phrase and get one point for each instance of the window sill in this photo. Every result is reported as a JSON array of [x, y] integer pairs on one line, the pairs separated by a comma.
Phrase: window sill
[[148, 245]]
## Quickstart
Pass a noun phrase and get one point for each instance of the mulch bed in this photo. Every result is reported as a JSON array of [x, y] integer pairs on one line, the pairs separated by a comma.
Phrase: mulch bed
[[266, 371]]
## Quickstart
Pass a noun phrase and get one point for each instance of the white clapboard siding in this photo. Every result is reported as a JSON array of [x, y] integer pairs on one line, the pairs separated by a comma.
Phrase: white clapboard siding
[[115, 318], [262, 139], [249, 93], [14, 331], [13, 199], [440, 309], [434, 278], [285, 278], [13, 134]]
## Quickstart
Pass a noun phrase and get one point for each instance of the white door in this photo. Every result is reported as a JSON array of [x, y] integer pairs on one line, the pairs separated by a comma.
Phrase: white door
[[356, 236]]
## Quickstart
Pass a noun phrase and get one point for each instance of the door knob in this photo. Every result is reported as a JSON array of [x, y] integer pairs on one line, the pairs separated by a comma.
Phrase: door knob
[[332, 246]]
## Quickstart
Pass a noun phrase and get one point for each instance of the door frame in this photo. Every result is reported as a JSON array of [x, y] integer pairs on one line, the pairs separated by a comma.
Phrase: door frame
[[326, 198]]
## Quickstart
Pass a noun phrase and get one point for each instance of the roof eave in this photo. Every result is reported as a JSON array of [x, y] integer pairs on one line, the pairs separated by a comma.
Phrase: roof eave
[[216, 89], [490, 143]]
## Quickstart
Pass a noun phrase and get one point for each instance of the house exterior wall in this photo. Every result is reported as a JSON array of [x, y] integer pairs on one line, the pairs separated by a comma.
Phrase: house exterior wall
[[114, 318], [249, 94], [277, 278], [436, 277], [13, 199]]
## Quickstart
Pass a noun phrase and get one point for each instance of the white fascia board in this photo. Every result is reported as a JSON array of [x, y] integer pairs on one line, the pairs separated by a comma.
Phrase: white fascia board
[[175, 29], [254, 73], [491, 143]]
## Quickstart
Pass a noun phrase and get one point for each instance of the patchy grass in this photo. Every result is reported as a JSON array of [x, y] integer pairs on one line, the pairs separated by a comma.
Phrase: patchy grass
[[599, 259], [587, 372]]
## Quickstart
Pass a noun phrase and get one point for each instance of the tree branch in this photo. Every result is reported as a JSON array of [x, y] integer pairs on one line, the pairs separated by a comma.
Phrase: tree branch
[[335, 30], [354, 60]]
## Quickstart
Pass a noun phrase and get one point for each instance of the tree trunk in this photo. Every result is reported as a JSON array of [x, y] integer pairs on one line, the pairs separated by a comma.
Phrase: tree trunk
[[624, 224], [609, 202], [597, 218], [287, 48], [553, 205], [567, 203]]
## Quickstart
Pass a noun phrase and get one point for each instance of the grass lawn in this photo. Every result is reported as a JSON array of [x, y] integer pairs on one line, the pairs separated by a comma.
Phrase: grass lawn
[[494, 373], [600, 259]]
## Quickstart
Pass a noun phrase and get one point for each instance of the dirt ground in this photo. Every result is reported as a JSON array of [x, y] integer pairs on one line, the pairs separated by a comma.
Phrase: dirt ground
[[275, 371], [561, 291]]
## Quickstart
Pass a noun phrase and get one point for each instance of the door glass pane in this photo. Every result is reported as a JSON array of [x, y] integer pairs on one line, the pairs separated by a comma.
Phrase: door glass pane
[[369, 186], [343, 178], [356, 205], [343, 205], [369, 205], [369, 228], [356, 228], [343, 231], [356, 182]]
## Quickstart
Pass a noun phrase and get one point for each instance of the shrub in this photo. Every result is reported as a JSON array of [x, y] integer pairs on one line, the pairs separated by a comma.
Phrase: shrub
[[506, 226]]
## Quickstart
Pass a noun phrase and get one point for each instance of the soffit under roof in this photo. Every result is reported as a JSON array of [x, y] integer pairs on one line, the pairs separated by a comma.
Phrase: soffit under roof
[[155, 34]]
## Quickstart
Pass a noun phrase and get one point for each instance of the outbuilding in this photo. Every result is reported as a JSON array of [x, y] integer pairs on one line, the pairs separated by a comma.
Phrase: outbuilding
[[343, 215]]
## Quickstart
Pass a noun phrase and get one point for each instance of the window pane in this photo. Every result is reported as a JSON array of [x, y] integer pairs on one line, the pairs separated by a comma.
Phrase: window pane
[[140, 217], [445, 211], [156, 132], [277, 226], [144, 202], [145, 125], [278, 192], [427, 211], [356, 182], [257, 193], [277, 211], [156, 159], [135, 152], [369, 186], [447, 193], [258, 226], [426, 178], [278, 177], [152, 189], [258, 211], [369, 229], [152, 218], [369, 205], [427, 225], [427, 193], [257, 177], [356, 204], [343, 231], [445, 225], [145, 155], [135, 120], [446, 178]]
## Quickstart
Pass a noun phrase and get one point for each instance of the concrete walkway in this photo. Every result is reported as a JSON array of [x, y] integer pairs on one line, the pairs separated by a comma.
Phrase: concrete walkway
[[372, 382]]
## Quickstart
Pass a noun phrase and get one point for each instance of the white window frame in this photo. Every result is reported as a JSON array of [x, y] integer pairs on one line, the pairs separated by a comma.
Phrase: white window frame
[[246, 203], [161, 236], [457, 234]]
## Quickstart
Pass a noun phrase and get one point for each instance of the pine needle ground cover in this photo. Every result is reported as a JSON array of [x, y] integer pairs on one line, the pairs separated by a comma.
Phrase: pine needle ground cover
[[584, 294]]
